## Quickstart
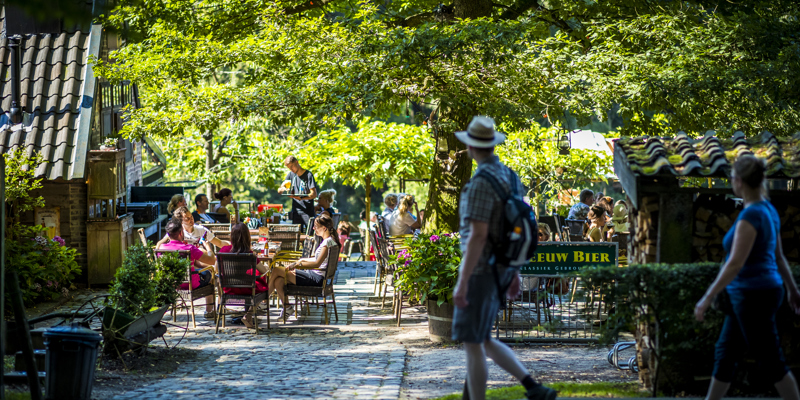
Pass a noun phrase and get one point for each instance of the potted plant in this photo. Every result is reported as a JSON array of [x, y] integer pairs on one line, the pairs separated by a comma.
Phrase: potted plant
[[109, 144], [428, 272], [143, 289]]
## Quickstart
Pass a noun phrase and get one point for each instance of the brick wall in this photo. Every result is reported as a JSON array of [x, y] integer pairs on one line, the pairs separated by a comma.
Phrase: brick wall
[[70, 197]]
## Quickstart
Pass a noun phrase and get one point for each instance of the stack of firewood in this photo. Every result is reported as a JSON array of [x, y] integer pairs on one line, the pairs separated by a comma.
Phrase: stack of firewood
[[645, 231], [790, 232]]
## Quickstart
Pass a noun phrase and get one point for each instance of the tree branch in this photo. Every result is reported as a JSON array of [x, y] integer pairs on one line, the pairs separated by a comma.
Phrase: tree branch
[[516, 10], [413, 20]]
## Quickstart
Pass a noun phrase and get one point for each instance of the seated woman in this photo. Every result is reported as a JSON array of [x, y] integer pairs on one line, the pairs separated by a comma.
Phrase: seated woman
[[225, 197], [544, 232], [402, 222], [597, 219], [240, 243], [176, 202], [280, 276], [608, 205], [325, 202], [196, 235], [199, 260]]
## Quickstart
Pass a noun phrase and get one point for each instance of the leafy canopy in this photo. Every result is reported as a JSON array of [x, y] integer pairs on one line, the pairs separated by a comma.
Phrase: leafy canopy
[[379, 150]]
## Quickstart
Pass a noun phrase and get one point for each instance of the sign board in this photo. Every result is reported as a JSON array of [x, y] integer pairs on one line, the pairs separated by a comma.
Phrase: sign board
[[49, 217], [561, 258]]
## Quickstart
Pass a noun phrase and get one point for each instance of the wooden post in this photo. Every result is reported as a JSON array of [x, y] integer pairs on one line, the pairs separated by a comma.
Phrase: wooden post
[[368, 189], [2, 267]]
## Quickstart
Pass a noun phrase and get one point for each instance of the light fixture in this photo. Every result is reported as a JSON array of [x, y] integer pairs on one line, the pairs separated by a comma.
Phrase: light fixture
[[564, 144]]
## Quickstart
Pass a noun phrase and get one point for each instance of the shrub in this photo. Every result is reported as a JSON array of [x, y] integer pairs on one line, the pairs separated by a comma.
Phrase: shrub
[[144, 283], [662, 297], [429, 267], [46, 267]]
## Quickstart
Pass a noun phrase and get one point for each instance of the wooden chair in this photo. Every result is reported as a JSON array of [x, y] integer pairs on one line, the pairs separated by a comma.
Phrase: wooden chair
[[232, 272], [191, 294], [142, 237], [319, 291]]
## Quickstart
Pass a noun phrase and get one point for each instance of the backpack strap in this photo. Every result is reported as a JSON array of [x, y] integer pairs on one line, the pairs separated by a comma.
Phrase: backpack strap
[[504, 195]]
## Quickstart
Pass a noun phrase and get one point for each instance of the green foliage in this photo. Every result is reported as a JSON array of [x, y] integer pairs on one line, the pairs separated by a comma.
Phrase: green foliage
[[533, 155], [170, 271], [133, 291], [142, 284], [46, 267], [379, 150], [662, 297], [429, 267], [20, 181]]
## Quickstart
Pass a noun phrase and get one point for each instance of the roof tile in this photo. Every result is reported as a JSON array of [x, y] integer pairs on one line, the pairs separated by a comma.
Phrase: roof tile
[[709, 155], [51, 78]]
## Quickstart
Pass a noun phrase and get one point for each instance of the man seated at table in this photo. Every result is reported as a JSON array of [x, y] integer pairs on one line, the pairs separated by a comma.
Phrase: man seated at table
[[200, 215], [194, 234], [581, 209], [198, 259]]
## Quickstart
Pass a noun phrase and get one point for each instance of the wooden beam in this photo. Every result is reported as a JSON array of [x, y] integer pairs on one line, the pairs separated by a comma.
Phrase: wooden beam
[[626, 177]]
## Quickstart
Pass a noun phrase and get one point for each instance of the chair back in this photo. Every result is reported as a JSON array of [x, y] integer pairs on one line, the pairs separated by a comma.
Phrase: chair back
[[233, 270], [310, 227], [219, 227], [336, 217], [142, 237], [576, 230], [181, 253], [284, 228], [333, 262]]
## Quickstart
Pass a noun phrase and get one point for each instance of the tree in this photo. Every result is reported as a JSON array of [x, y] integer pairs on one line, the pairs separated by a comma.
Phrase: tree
[[372, 155], [533, 155], [704, 64]]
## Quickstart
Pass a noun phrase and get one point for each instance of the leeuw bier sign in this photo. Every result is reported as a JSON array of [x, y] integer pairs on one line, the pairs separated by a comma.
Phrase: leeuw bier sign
[[559, 258]]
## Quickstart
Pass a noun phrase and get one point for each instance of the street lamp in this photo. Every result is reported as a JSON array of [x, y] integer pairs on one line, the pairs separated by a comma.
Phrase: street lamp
[[564, 144]]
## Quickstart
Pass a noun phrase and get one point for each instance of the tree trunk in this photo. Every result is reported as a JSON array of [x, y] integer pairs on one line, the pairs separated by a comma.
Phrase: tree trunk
[[368, 189], [208, 136], [452, 167], [451, 170]]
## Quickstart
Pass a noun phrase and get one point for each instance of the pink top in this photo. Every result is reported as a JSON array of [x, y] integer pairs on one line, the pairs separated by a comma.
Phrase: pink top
[[194, 255]]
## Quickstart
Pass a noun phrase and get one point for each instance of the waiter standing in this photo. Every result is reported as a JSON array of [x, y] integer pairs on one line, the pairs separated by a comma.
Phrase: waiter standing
[[303, 190]]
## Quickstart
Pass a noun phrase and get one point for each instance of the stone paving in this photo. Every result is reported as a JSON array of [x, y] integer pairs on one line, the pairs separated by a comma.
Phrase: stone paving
[[350, 358]]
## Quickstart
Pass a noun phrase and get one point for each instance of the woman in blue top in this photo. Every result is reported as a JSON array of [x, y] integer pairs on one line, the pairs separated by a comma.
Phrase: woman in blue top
[[754, 275]]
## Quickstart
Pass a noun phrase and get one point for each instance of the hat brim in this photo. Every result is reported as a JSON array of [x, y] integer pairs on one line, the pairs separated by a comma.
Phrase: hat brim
[[464, 137]]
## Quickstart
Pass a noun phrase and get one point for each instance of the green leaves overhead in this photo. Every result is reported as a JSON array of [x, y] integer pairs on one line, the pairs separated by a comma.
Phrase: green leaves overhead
[[383, 151]]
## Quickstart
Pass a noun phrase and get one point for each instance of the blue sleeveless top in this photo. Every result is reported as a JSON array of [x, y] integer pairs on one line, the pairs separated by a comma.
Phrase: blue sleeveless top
[[760, 271]]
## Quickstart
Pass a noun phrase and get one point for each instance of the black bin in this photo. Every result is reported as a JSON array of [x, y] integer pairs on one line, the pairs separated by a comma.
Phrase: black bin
[[70, 362]]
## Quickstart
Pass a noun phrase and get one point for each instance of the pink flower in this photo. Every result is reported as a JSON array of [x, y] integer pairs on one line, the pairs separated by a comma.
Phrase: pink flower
[[434, 238], [59, 240]]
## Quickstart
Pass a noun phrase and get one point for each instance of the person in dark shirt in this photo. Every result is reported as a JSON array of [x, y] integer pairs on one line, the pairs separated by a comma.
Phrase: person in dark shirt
[[200, 215], [303, 189]]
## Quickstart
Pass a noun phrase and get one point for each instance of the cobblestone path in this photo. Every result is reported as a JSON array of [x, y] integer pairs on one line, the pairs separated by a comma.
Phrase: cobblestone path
[[352, 358]]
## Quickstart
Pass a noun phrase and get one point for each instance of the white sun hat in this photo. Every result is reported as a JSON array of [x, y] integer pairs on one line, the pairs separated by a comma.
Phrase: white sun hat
[[480, 133]]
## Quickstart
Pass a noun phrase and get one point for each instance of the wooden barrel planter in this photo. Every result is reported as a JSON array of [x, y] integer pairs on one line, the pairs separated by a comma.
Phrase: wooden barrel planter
[[440, 321]]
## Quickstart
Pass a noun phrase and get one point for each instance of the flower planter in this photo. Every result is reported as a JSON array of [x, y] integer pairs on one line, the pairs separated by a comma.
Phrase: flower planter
[[440, 321]]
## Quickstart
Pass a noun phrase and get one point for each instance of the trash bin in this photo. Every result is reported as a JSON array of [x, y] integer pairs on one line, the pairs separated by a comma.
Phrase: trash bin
[[70, 362]]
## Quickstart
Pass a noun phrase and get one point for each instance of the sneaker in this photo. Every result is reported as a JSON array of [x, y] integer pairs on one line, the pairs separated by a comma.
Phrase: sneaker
[[541, 392], [288, 311], [210, 315]]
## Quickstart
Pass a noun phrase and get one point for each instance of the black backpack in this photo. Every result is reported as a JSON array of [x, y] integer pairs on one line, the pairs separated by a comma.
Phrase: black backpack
[[519, 226]]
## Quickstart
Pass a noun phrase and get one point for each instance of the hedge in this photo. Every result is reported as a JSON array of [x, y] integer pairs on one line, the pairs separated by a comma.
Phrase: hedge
[[660, 298]]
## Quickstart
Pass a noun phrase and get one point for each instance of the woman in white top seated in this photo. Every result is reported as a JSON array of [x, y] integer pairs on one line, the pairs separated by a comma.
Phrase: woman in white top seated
[[194, 234], [402, 222], [280, 276]]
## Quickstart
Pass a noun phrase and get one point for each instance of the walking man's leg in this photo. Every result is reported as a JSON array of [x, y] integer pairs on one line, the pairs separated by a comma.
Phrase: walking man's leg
[[477, 371], [506, 359]]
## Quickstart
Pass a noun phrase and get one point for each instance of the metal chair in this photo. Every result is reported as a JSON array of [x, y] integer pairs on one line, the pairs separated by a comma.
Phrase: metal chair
[[319, 291], [238, 271], [191, 294]]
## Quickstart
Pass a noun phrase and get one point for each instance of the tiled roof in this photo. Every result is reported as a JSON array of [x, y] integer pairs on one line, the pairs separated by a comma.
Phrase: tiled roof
[[708, 156], [54, 89]]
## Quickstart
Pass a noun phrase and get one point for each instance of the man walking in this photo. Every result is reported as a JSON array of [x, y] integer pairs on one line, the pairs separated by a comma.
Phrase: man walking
[[476, 295], [303, 190]]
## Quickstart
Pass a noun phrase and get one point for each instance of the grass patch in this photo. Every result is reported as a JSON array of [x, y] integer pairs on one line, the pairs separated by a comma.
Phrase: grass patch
[[14, 395], [565, 389]]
